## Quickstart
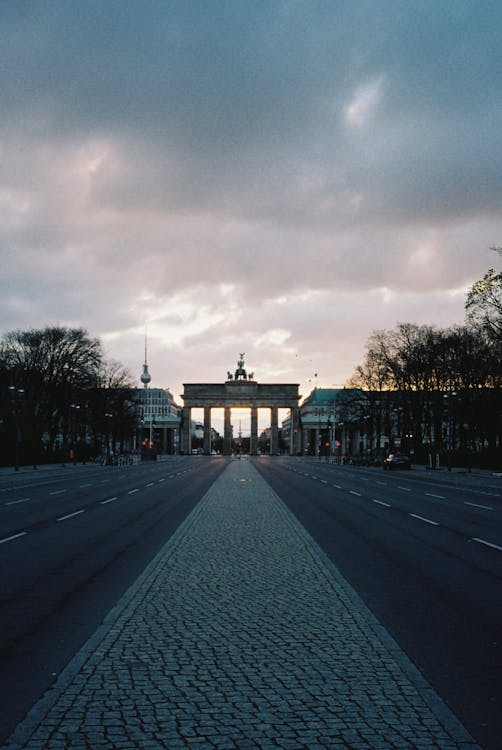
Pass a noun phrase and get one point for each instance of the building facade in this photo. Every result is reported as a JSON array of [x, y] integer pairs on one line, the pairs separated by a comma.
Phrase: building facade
[[332, 422], [159, 420]]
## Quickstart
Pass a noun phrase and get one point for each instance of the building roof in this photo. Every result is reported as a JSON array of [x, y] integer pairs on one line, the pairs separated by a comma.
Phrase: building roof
[[146, 394], [324, 404], [322, 396]]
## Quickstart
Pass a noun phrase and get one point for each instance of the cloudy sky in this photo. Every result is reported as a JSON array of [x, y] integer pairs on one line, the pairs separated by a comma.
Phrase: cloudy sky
[[274, 177]]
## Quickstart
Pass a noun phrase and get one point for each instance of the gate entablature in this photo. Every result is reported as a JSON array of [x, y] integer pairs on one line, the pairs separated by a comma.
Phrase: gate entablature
[[241, 390], [240, 393]]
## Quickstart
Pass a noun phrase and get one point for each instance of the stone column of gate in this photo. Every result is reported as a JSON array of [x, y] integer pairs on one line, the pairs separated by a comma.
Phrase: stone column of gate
[[227, 433], [186, 442], [253, 447], [207, 430], [274, 431]]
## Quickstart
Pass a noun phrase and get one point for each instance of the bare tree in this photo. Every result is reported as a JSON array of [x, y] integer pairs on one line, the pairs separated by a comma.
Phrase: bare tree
[[51, 365], [420, 378], [112, 406], [484, 306]]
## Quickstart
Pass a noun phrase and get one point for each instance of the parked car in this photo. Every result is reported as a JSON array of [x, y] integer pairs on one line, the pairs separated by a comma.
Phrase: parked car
[[397, 461]]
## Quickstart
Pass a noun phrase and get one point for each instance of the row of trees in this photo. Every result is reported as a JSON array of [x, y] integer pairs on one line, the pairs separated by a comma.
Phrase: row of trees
[[439, 390], [60, 398]]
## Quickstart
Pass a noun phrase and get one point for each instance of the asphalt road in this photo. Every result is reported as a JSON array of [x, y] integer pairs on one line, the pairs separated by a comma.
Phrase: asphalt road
[[71, 542], [424, 551]]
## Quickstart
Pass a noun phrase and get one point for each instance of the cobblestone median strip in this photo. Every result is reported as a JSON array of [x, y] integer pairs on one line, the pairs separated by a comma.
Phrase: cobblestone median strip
[[241, 634]]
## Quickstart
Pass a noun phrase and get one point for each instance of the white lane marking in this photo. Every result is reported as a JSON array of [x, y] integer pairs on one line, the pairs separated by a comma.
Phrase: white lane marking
[[384, 484], [163, 479], [58, 492], [131, 492], [70, 515], [86, 485], [110, 500], [14, 536], [406, 489], [488, 544], [476, 505], [150, 484], [104, 481], [15, 502], [313, 477], [439, 497], [364, 479], [426, 520], [352, 492], [324, 481], [337, 486], [381, 502]]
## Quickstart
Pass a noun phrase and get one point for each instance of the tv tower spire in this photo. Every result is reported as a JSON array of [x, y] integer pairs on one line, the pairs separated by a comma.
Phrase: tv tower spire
[[145, 376]]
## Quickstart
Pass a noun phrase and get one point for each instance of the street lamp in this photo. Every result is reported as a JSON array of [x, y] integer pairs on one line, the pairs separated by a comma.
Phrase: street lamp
[[450, 400], [74, 429], [16, 395], [330, 438], [108, 416], [340, 445], [152, 425], [318, 440]]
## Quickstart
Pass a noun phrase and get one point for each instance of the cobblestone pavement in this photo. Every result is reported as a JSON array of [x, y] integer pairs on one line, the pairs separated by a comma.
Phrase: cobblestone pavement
[[240, 634]]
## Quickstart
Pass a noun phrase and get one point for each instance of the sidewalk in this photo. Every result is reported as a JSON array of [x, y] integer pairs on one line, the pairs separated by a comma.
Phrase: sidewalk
[[241, 634], [43, 468], [61, 466], [417, 467]]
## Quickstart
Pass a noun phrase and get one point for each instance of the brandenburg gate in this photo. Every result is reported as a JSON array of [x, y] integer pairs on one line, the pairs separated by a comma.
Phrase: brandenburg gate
[[240, 390]]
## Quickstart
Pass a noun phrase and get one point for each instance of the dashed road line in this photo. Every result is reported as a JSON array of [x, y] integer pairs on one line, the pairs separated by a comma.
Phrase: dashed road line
[[438, 497], [110, 500], [85, 485], [70, 515], [426, 520], [487, 544], [324, 481], [14, 536], [131, 492], [405, 489], [150, 484], [353, 492], [338, 487], [58, 492], [16, 502], [384, 484], [477, 505], [381, 502]]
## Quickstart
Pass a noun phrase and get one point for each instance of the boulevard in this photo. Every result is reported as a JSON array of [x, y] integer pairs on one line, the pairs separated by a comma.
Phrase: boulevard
[[71, 542], [423, 550]]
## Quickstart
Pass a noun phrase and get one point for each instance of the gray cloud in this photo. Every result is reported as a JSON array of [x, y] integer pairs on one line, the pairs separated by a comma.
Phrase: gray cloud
[[289, 175]]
